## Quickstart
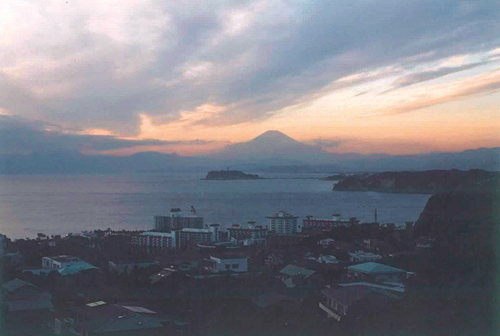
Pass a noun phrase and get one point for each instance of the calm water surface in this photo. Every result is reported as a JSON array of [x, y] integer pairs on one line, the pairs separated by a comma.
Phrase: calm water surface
[[58, 204]]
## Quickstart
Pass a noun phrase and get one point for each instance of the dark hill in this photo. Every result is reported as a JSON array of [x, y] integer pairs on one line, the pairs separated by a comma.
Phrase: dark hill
[[230, 175], [427, 182]]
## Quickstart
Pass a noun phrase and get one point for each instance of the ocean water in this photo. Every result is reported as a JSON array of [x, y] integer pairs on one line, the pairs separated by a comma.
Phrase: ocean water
[[59, 204]]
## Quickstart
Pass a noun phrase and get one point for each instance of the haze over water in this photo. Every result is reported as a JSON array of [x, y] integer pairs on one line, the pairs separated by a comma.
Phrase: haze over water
[[58, 204]]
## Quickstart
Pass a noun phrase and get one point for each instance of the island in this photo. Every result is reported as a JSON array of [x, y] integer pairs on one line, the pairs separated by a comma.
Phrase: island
[[226, 175], [336, 177], [424, 182]]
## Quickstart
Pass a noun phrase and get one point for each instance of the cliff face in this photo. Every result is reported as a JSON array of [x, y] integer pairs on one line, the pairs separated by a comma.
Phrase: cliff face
[[427, 182], [230, 175]]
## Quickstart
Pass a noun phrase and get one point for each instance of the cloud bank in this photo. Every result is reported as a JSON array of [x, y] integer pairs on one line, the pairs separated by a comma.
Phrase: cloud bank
[[103, 64]]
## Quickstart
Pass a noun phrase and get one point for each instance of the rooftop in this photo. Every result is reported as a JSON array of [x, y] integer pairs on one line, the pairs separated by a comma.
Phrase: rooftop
[[16, 284], [375, 268], [74, 269], [66, 259], [348, 295], [293, 270]]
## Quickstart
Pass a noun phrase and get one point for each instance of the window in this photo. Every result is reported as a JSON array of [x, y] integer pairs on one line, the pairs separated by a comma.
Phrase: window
[[235, 266], [228, 267]]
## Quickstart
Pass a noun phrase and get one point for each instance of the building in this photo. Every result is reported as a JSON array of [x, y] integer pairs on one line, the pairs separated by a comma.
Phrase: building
[[372, 271], [363, 256], [159, 240], [61, 261], [293, 276], [352, 303], [22, 296], [194, 236], [100, 318], [327, 224], [252, 231], [227, 263], [282, 223], [176, 221], [177, 238], [327, 259], [24, 307], [127, 266]]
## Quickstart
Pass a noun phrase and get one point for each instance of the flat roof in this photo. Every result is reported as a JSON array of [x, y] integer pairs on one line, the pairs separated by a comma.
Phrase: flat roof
[[374, 268]]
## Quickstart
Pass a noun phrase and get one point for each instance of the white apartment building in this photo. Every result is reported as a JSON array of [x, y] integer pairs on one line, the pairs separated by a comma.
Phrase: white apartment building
[[283, 223]]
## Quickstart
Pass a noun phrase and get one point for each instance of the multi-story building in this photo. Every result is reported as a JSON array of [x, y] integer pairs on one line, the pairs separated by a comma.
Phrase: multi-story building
[[176, 221], [327, 224], [177, 238], [282, 223], [194, 236], [251, 232]]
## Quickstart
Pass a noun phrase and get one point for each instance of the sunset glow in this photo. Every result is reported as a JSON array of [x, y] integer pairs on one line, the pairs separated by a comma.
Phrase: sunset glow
[[198, 76]]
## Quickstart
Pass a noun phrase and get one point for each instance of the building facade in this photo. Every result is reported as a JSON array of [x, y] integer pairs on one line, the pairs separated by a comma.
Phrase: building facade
[[327, 224], [283, 223], [251, 232], [228, 263], [60, 262], [175, 221], [177, 238]]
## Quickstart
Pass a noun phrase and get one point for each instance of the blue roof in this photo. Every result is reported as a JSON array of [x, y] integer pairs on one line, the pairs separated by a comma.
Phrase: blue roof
[[375, 268]]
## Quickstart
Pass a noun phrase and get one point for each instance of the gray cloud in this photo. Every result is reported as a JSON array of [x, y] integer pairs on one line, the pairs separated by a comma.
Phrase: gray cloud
[[285, 52], [423, 76], [19, 135], [325, 143]]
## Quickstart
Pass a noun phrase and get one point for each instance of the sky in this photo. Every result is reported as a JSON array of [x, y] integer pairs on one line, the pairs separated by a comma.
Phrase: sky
[[365, 76]]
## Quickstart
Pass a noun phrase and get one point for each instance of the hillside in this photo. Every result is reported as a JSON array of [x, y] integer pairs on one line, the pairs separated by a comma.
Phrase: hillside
[[426, 182]]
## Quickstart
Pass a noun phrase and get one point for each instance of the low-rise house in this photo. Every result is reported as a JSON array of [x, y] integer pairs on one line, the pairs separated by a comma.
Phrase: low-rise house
[[24, 307], [61, 261], [327, 259], [227, 263], [22, 296], [64, 265], [276, 303], [372, 271], [273, 261], [168, 276], [293, 276], [349, 304], [100, 318], [363, 256], [127, 266], [337, 244], [424, 243]]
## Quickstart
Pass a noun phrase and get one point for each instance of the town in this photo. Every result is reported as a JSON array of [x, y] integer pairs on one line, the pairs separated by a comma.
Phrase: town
[[185, 277]]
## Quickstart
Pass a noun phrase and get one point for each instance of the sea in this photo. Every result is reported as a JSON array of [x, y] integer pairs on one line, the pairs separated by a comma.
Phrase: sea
[[61, 204]]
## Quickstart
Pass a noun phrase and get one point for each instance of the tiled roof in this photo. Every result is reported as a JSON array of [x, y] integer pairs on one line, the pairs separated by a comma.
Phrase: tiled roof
[[375, 268], [15, 284]]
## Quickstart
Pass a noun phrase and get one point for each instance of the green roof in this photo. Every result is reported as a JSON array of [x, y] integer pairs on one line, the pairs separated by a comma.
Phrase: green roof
[[374, 268], [74, 269], [293, 270]]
